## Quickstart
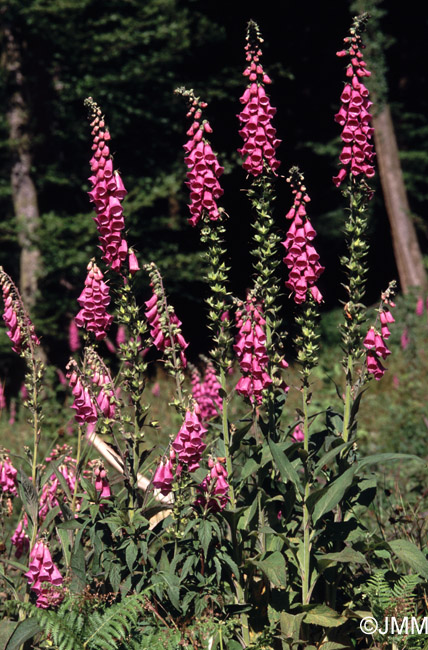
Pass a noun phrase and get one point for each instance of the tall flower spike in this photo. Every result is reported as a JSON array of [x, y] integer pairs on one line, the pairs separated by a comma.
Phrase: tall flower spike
[[375, 341], [302, 258], [41, 571], [20, 329], [94, 299], [108, 191], [251, 351], [260, 141], [357, 152], [204, 169]]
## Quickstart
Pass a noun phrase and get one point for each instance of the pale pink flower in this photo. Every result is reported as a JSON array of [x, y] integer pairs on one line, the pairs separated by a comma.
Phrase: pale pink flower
[[2, 397], [420, 306]]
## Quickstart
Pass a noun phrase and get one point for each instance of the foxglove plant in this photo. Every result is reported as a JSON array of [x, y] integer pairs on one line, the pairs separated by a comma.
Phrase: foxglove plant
[[7, 476], [44, 577], [107, 194], [260, 141], [213, 491], [374, 341], [94, 300], [301, 259], [206, 391], [73, 336], [357, 152], [165, 331]]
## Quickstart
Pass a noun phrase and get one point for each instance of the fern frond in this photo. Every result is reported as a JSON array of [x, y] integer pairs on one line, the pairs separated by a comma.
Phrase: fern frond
[[106, 630]]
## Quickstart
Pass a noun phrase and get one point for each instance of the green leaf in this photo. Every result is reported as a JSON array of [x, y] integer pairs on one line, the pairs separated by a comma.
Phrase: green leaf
[[29, 497], [22, 633], [78, 571], [386, 458], [324, 616], [347, 555], [324, 460], [274, 568], [205, 535], [131, 555], [411, 555], [66, 540], [290, 625], [286, 469], [333, 494]]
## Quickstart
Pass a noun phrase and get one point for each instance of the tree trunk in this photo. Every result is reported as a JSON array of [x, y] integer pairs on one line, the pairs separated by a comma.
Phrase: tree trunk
[[407, 252], [23, 189]]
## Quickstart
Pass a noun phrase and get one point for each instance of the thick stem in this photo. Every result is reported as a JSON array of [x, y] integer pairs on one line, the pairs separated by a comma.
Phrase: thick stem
[[76, 482], [226, 438], [306, 515]]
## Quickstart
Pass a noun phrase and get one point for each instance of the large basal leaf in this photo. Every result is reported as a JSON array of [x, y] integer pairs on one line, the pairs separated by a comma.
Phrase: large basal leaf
[[22, 633], [286, 469], [324, 616], [386, 458], [411, 555], [274, 568], [333, 494], [347, 555]]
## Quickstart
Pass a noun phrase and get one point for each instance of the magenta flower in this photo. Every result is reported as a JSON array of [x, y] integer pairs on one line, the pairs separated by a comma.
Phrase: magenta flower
[[260, 141], [206, 392], [102, 484], [298, 435], [94, 299], [52, 491], [374, 341], [301, 258], [42, 571], [108, 191], [204, 168], [165, 327], [420, 306], [2, 397], [20, 329], [20, 540], [213, 491], [8, 477], [86, 411], [250, 348], [357, 152], [186, 452], [73, 336], [404, 339]]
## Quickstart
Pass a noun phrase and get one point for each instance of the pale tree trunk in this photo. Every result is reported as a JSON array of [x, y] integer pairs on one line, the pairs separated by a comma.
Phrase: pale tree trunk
[[407, 252], [23, 189]]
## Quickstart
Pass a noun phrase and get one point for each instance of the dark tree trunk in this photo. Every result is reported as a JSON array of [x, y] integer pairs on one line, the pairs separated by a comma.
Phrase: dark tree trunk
[[407, 252], [23, 189]]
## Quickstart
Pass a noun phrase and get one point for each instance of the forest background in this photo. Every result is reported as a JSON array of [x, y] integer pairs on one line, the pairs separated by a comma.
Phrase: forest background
[[130, 56]]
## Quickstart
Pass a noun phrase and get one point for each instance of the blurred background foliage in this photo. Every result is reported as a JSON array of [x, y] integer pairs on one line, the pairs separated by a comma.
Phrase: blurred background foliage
[[130, 56]]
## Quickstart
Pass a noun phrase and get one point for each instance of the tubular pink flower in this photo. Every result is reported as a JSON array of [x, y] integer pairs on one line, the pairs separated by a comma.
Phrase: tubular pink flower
[[257, 132], [20, 540], [2, 397], [41, 571], [357, 153], [206, 392], [73, 336], [20, 329], [86, 411], [298, 435], [94, 299], [165, 327], [102, 484], [250, 348], [186, 452], [8, 477], [204, 168], [107, 193], [301, 258], [374, 342], [213, 491]]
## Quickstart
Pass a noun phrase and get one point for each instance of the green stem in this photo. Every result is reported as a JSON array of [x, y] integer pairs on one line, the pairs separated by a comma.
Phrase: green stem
[[348, 400], [78, 456], [226, 437], [306, 516]]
